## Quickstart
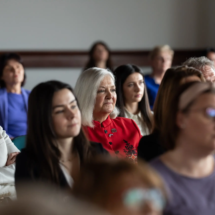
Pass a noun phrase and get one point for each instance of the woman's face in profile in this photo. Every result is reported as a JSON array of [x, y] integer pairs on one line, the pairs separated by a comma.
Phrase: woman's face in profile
[[13, 73], [197, 125], [66, 115], [100, 53], [105, 98]]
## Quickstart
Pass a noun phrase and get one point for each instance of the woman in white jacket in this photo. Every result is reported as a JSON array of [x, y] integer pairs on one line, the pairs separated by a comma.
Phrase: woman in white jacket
[[8, 153]]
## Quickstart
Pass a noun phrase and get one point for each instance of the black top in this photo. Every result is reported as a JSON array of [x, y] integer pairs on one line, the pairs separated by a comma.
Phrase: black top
[[150, 147], [24, 174]]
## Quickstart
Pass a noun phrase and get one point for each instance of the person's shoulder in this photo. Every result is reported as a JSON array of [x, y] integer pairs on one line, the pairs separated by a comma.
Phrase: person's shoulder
[[151, 138], [122, 120], [26, 91], [2, 91], [155, 162], [148, 77], [97, 148]]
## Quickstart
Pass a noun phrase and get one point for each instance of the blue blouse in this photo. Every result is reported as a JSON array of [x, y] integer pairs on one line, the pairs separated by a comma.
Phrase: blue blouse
[[152, 89], [17, 115]]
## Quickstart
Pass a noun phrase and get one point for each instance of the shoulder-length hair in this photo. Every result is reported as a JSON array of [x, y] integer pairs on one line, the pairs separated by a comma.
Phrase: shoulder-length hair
[[92, 63], [121, 74], [171, 82], [4, 58], [86, 90], [41, 137], [169, 132]]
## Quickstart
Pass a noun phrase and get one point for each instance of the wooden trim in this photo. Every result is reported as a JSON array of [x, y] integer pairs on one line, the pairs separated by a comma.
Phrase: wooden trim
[[66, 59]]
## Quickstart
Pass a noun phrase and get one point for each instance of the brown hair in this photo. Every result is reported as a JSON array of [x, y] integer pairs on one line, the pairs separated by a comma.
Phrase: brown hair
[[170, 83], [97, 178], [169, 134], [91, 63]]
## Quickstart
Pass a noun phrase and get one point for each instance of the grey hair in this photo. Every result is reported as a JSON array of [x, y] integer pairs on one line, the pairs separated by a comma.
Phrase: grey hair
[[86, 90], [198, 62]]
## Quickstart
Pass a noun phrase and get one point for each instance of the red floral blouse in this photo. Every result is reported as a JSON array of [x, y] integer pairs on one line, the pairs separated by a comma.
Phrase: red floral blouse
[[119, 136]]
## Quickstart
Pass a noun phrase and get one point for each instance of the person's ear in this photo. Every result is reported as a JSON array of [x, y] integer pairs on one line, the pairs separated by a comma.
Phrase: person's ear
[[181, 120]]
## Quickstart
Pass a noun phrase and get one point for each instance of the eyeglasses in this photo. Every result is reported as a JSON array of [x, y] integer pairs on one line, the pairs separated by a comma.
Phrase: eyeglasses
[[208, 112], [138, 197]]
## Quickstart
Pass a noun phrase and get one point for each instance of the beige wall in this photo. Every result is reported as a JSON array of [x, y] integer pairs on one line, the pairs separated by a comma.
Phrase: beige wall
[[123, 24]]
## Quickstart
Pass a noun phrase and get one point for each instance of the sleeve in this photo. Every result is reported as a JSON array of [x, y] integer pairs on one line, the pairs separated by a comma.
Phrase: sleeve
[[3, 152], [9, 144]]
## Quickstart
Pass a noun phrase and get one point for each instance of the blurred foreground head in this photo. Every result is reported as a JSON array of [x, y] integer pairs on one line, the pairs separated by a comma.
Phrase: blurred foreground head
[[47, 200], [121, 187]]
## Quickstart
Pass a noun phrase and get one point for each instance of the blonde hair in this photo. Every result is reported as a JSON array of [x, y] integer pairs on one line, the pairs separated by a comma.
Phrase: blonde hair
[[86, 90], [158, 49]]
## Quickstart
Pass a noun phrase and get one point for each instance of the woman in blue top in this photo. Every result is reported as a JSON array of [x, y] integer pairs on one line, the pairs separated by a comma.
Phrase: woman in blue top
[[14, 99]]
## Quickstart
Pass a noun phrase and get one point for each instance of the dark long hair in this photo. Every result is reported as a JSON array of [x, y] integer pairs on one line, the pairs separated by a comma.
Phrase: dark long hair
[[121, 74], [40, 145], [4, 58], [92, 63]]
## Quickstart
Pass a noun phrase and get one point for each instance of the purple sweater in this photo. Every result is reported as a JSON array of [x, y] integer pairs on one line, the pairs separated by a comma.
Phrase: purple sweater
[[188, 196]]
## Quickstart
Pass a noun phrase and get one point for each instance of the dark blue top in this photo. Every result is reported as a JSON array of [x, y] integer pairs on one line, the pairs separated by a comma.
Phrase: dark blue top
[[152, 89], [17, 115], [187, 196]]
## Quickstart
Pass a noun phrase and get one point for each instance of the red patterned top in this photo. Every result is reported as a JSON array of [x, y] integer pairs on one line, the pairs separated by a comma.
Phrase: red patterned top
[[119, 136]]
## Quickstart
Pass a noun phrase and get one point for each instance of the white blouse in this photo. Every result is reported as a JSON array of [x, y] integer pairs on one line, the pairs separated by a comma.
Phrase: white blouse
[[139, 121], [7, 187]]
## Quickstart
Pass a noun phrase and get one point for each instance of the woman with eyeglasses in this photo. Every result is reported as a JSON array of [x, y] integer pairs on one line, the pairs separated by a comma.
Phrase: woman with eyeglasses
[[188, 167], [151, 146], [121, 187]]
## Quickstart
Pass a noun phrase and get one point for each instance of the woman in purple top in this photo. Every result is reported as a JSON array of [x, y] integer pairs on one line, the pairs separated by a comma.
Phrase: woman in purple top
[[13, 98], [188, 168]]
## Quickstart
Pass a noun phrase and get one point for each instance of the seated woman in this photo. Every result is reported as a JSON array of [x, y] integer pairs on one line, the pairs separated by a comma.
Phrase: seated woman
[[14, 99], [55, 145], [160, 59], [132, 99], [8, 153], [121, 187], [188, 135], [99, 56], [96, 92], [150, 146]]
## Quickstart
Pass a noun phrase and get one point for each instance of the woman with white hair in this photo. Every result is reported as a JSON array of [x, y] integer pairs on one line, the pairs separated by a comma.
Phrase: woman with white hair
[[96, 93]]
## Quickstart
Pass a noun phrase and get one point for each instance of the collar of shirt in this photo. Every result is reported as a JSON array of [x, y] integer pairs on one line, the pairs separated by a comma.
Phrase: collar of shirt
[[132, 116], [104, 124]]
